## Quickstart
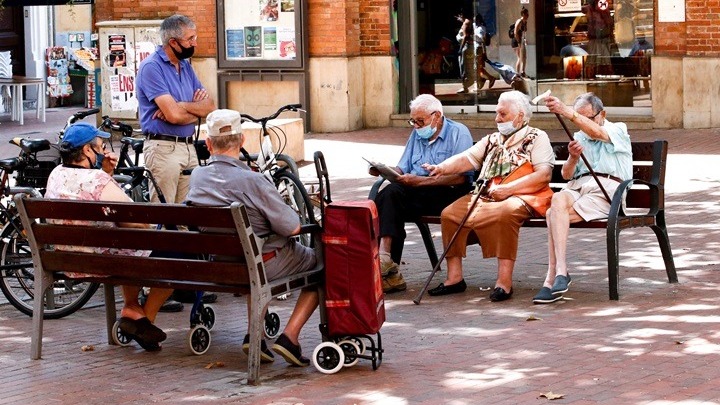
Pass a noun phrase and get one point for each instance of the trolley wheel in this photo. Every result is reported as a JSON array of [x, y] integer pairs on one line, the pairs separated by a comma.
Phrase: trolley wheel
[[361, 345], [207, 317], [272, 325], [351, 350], [199, 339], [328, 358], [119, 337]]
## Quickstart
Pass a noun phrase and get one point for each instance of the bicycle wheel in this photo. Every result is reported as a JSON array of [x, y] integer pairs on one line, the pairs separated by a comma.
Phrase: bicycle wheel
[[18, 279], [294, 194], [284, 160]]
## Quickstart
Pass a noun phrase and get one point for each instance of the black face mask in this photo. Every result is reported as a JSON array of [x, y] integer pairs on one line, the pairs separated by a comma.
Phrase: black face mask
[[184, 52]]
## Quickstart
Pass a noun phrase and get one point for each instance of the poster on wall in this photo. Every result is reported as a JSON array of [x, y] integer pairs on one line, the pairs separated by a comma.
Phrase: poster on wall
[[235, 40], [58, 79], [143, 49], [253, 41], [270, 38], [286, 43], [268, 10], [256, 31], [122, 93], [287, 6], [116, 45]]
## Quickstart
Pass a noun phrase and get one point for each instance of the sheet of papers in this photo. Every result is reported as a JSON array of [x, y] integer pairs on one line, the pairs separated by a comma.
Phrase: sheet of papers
[[387, 172]]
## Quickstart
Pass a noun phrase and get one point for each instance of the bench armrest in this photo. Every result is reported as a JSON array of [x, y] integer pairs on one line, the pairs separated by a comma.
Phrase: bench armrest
[[375, 188], [310, 228], [617, 206]]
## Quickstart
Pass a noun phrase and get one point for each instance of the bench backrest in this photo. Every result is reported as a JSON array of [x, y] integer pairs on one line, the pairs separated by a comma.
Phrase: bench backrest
[[649, 160], [188, 261]]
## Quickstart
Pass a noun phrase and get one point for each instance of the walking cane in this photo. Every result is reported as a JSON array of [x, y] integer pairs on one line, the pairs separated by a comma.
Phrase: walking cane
[[540, 98], [450, 243]]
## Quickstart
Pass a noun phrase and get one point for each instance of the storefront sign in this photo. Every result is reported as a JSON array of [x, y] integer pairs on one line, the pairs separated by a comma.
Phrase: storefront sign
[[671, 10], [569, 5]]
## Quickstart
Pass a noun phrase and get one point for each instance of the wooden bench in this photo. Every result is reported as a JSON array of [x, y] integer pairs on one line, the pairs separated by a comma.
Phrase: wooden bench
[[195, 274], [645, 196]]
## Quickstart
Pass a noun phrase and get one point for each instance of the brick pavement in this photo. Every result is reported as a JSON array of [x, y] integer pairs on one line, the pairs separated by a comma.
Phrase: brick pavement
[[660, 344]]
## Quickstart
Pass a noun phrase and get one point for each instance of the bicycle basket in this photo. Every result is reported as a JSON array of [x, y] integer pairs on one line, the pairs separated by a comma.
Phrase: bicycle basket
[[35, 175]]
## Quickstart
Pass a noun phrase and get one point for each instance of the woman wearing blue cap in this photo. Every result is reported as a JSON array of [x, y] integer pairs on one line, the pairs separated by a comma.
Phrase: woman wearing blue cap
[[86, 174]]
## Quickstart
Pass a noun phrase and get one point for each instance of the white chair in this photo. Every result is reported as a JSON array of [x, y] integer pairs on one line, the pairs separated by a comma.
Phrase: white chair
[[6, 72]]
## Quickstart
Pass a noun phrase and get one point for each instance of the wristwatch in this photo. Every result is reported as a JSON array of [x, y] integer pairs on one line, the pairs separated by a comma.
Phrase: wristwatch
[[574, 116]]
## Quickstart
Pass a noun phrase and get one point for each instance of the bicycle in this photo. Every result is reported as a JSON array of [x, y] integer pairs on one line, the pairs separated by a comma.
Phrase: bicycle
[[281, 169], [31, 170]]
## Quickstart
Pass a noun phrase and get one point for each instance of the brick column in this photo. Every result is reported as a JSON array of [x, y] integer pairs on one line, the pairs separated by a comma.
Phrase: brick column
[[351, 68]]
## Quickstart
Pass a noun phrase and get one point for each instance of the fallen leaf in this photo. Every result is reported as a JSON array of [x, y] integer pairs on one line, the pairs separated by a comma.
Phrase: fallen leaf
[[215, 364], [87, 348], [533, 318], [550, 395]]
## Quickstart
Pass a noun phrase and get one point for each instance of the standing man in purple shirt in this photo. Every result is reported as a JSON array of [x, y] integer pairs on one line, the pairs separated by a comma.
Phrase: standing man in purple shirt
[[171, 101], [433, 139]]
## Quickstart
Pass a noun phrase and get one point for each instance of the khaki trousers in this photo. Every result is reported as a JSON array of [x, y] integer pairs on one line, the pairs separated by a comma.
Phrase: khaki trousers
[[166, 160]]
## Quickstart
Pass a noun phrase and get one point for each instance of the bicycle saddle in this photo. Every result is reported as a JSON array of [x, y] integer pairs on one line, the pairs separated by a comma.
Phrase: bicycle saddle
[[31, 145], [135, 143], [11, 164]]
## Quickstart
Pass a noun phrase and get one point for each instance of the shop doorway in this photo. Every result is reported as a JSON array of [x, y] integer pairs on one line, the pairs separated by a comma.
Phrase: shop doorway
[[616, 67], [12, 37]]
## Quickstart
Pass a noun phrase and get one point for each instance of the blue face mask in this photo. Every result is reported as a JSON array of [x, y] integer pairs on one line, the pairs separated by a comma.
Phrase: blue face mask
[[425, 132], [98, 159]]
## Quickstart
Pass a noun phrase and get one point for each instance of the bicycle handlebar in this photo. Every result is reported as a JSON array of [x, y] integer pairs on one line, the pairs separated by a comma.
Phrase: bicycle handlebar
[[118, 126], [82, 114], [263, 121]]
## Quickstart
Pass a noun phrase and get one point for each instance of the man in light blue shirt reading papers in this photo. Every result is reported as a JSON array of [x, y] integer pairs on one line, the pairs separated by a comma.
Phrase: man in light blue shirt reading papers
[[414, 193]]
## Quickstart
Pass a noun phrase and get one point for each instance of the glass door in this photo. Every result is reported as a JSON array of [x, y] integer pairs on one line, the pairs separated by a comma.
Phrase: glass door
[[569, 47], [599, 46], [465, 55]]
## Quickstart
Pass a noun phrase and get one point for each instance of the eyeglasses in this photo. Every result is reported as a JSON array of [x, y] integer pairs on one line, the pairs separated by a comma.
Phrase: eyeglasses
[[596, 114], [191, 39], [420, 122]]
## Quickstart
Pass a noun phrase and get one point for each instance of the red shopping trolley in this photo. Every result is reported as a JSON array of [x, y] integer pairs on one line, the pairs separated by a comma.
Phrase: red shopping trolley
[[353, 304]]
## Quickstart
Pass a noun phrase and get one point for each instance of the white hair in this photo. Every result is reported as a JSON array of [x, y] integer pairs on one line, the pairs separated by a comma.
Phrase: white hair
[[519, 102], [427, 103]]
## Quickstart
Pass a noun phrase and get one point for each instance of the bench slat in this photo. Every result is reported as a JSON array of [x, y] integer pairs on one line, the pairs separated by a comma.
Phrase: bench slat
[[146, 268], [175, 284], [138, 239], [176, 214]]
